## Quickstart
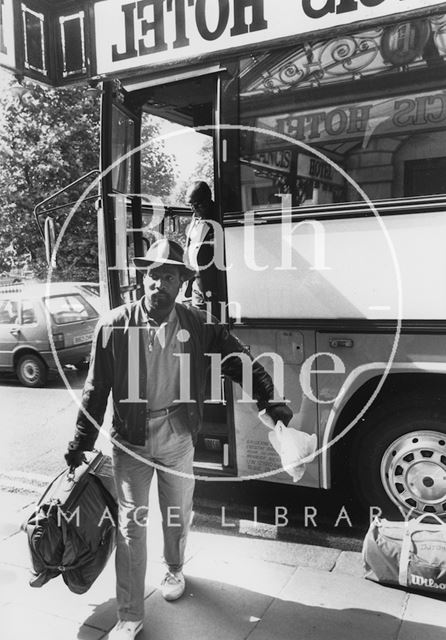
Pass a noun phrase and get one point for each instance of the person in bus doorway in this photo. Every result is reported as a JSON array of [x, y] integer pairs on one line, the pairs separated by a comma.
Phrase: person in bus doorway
[[200, 247], [158, 406]]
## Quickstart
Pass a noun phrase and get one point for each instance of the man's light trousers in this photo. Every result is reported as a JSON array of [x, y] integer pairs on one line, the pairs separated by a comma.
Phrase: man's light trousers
[[169, 447]]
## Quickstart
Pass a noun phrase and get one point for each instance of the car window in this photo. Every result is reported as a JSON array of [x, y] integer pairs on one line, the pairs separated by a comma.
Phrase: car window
[[28, 312], [91, 289], [69, 308], [8, 311]]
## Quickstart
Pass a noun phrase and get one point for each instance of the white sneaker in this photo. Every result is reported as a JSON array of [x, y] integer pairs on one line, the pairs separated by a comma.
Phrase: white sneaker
[[173, 585], [125, 630]]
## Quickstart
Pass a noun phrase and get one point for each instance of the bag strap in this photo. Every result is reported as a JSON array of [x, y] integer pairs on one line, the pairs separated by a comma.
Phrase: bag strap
[[427, 515], [63, 568], [412, 526], [415, 525], [96, 461], [406, 547]]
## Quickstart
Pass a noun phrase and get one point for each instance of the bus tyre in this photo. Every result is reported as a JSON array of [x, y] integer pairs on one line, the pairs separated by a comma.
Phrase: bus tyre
[[399, 459], [32, 371]]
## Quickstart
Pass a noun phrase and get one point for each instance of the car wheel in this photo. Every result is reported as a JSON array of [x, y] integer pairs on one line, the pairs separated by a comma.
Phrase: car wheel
[[32, 371], [399, 460]]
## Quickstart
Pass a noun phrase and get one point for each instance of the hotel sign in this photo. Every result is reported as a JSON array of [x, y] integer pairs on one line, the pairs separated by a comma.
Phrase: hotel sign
[[361, 120], [131, 34]]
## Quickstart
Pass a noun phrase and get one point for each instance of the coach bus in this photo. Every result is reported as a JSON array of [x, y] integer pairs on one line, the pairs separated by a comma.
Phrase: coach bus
[[326, 121]]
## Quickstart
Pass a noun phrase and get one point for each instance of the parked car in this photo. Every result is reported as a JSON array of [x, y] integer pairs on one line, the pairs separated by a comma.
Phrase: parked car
[[29, 314], [91, 292]]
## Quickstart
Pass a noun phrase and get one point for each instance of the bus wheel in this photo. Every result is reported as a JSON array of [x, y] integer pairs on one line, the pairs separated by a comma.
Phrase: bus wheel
[[400, 460], [32, 371]]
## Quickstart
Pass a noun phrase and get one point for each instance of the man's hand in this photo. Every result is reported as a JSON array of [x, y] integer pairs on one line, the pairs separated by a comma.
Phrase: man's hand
[[73, 457], [280, 412]]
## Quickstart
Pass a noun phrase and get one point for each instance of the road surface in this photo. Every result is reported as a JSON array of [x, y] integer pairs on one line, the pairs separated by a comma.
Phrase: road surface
[[36, 425]]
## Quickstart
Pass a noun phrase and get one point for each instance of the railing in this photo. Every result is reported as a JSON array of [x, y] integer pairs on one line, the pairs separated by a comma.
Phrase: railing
[[38, 214]]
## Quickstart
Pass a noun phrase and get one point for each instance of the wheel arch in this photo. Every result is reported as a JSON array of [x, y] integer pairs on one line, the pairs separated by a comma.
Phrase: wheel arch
[[355, 396], [23, 351]]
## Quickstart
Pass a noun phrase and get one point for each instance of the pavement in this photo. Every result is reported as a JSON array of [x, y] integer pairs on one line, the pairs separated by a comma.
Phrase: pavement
[[239, 587]]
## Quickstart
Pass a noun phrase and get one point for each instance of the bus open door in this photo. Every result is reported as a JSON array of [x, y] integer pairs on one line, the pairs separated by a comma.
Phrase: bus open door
[[134, 216]]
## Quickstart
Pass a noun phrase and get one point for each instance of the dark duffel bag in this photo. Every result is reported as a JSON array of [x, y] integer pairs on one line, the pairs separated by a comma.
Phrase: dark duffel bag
[[72, 530], [409, 554]]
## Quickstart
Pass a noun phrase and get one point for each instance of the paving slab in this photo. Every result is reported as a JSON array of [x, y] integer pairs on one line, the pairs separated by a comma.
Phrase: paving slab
[[276, 551], [424, 617], [96, 607], [209, 610], [20, 624], [249, 574], [314, 587], [294, 621], [315, 605], [349, 562]]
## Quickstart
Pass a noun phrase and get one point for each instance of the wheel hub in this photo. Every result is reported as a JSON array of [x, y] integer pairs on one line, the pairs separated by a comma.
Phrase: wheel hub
[[413, 472], [30, 371], [427, 481]]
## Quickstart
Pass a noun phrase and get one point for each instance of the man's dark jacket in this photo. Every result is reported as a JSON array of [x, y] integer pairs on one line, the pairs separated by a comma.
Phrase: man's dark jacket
[[109, 370]]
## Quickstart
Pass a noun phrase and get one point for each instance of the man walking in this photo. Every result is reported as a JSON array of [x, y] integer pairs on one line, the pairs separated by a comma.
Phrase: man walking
[[140, 353]]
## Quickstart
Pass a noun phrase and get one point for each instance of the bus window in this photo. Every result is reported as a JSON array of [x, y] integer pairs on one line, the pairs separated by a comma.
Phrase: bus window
[[123, 141], [181, 117], [425, 176], [171, 115], [310, 109], [184, 155]]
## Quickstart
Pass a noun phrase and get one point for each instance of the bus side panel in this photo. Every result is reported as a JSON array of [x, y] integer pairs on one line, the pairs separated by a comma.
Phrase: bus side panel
[[256, 458], [344, 268], [364, 357]]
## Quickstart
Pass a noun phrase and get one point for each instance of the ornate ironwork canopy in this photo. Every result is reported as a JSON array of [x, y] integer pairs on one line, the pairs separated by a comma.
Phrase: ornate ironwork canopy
[[406, 45]]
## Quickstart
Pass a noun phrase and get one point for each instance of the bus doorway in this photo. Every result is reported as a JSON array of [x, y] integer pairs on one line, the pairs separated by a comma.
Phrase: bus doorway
[[184, 114]]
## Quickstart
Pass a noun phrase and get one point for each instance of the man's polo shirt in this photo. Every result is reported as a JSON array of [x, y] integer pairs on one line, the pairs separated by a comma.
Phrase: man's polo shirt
[[163, 366], [196, 234]]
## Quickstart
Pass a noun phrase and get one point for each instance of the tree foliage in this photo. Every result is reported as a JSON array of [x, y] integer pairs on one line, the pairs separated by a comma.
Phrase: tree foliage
[[47, 142], [203, 170], [158, 169]]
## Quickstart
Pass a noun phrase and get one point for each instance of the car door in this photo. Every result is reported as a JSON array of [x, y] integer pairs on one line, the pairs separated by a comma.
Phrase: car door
[[9, 331], [31, 325]]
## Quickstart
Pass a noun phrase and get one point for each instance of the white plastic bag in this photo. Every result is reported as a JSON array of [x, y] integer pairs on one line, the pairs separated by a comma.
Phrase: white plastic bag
[[292, 446]]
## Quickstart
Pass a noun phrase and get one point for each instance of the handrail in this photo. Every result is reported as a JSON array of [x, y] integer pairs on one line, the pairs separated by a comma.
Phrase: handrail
[[58, 193]]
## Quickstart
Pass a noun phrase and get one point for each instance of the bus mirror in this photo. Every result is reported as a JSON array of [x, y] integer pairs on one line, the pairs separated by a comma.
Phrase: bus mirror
[[50, 241], [171, 224]]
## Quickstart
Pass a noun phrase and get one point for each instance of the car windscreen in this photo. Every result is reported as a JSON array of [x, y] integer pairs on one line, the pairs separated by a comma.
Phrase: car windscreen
[[69, 308]]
